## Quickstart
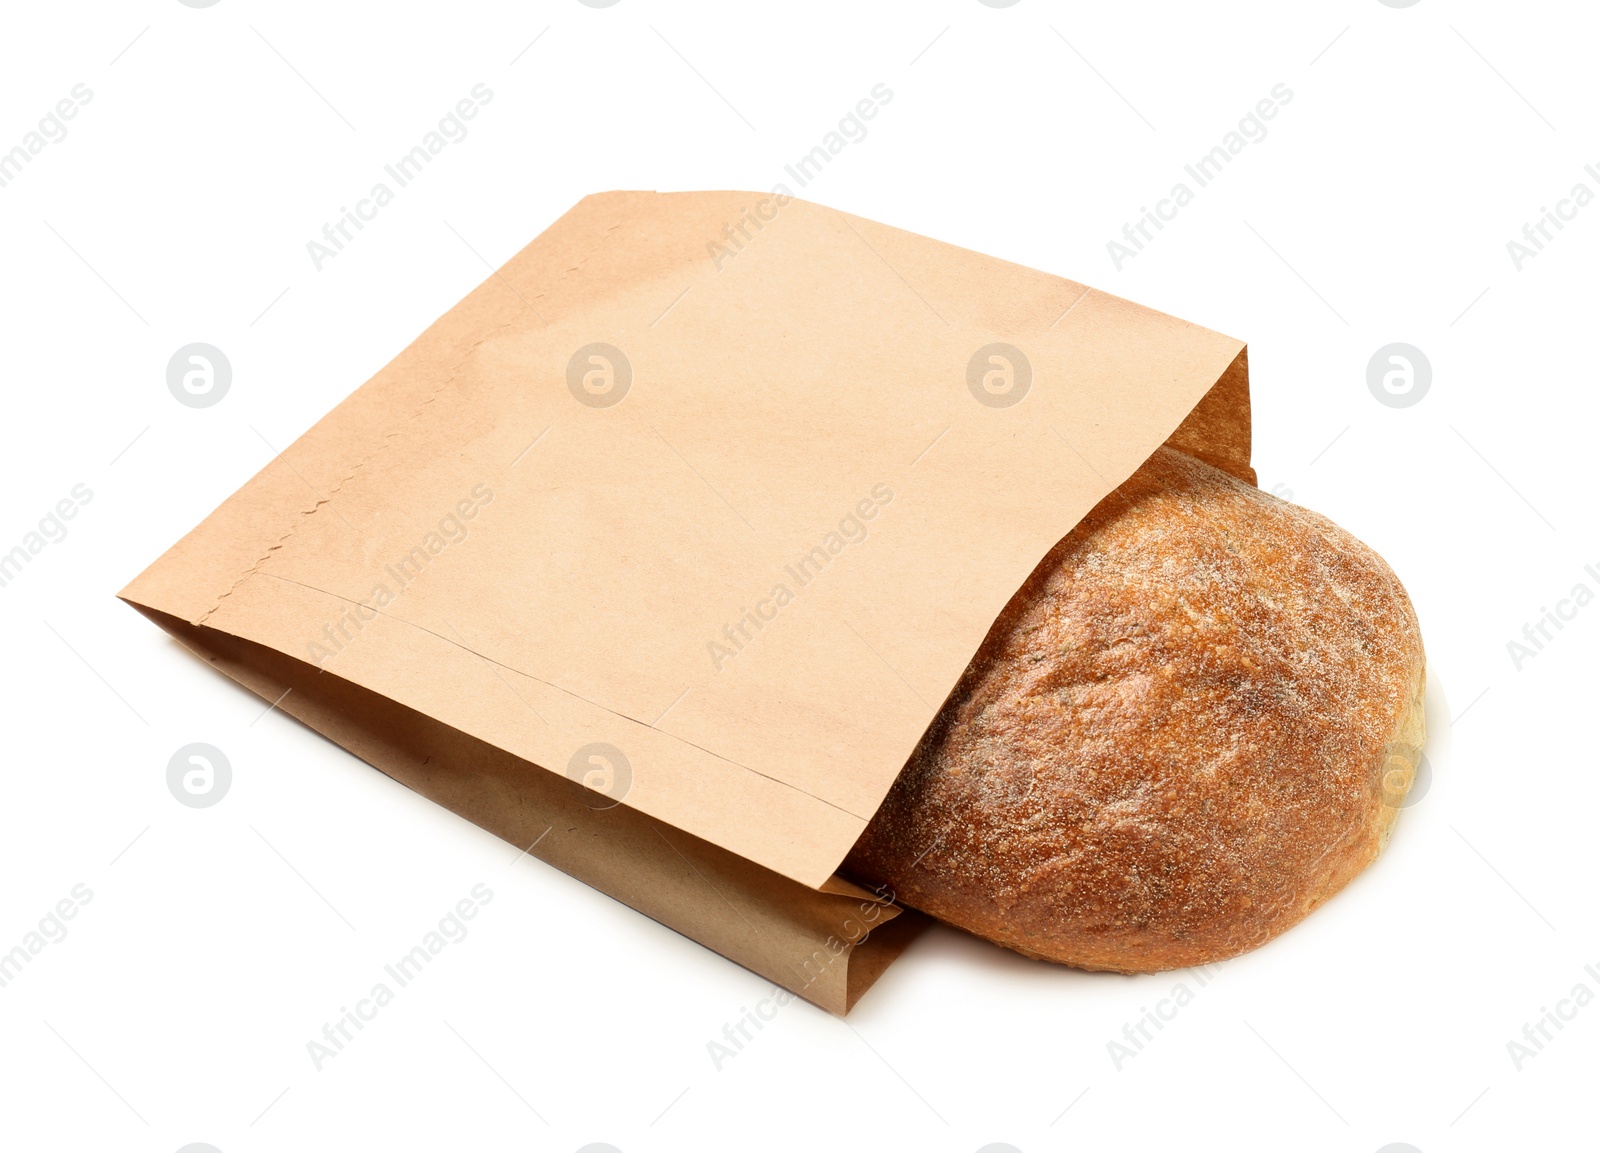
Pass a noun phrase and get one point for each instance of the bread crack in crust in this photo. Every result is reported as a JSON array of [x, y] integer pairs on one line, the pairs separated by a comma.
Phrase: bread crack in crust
[[1194, 723]]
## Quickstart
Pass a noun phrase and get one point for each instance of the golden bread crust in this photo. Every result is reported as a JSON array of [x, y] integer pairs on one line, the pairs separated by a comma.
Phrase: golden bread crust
[[1193, 724]]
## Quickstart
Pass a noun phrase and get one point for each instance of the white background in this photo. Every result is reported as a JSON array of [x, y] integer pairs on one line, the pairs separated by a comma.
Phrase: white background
[[218, 941]]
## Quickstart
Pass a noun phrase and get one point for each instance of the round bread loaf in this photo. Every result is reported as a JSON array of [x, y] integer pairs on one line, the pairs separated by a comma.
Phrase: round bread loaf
[[1194, 723]]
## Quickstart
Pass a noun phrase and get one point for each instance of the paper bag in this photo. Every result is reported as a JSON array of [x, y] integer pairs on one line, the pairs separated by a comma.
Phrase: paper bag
[[661, 550]]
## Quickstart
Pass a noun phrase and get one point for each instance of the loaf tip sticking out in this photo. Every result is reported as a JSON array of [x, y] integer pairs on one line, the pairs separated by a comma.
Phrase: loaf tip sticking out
[[1193, 724]]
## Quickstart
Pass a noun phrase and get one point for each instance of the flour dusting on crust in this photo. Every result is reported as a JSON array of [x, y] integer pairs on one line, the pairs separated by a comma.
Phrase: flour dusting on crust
[[1172, 744]]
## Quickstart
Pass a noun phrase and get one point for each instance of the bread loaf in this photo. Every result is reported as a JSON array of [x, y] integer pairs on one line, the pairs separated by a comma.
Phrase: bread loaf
[[1193, 724]]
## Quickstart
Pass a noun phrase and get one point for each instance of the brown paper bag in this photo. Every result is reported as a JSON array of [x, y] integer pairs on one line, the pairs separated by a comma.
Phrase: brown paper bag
[[660, 551]]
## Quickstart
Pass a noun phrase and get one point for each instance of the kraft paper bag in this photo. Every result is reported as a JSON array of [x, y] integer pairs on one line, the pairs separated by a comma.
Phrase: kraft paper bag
[[660, 551]]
